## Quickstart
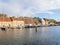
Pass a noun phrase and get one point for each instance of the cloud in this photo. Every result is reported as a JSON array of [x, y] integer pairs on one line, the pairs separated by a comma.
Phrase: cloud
[[28, 7]]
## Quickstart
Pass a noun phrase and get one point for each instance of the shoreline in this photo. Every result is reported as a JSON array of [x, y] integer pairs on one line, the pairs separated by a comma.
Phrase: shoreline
[[40, 26], [28, 27]]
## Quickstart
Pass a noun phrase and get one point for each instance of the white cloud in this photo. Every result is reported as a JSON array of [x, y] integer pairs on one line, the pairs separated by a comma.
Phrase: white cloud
[[28, 7]]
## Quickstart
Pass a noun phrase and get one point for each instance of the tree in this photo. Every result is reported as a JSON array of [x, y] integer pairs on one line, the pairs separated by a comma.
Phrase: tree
[[3, 15], [50, 20], [39, 19]]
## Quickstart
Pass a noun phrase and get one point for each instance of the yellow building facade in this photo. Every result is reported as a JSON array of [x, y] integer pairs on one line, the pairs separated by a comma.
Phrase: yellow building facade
[[12, 24]]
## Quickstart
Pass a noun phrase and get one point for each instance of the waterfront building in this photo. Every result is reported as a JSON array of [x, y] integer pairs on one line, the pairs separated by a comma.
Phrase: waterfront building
[[31, 22], [17, 23], [45, 22], [7, 22]]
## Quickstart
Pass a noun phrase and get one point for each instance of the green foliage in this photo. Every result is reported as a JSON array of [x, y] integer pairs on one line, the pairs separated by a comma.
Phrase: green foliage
[[39, 19], [50, 20], [45, 19], [3, 15]]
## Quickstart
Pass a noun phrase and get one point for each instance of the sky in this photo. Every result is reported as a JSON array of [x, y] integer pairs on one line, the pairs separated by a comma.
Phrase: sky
[[31, 8]]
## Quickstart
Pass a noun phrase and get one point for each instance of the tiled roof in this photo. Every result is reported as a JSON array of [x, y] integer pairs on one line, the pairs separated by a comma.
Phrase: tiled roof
[[6, 19], [26, 20]]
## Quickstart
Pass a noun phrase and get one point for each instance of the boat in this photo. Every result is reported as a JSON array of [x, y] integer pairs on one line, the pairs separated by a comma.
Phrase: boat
[[3, 28]]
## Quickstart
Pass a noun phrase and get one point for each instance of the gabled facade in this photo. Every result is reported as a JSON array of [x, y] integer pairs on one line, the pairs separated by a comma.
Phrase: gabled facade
[[8, 22]]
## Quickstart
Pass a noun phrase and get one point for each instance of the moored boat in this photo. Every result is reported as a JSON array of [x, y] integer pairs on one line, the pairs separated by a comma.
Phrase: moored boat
[[3, 28]]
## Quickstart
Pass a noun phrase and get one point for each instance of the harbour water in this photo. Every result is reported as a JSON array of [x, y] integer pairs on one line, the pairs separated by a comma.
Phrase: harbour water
[[31, 36]]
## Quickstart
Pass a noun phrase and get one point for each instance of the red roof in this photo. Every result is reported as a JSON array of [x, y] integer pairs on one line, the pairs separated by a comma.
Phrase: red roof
[[5, 19], [26, 20]]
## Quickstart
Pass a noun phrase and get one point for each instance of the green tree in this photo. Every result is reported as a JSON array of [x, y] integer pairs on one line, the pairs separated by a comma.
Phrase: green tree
[[39, 19], [50, 20], [3, 15]]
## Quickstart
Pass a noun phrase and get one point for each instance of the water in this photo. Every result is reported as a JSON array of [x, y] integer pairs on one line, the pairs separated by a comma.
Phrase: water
[[31, 36]]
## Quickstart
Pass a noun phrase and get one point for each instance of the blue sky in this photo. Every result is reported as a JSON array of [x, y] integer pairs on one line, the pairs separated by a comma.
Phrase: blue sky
[[31, 8]]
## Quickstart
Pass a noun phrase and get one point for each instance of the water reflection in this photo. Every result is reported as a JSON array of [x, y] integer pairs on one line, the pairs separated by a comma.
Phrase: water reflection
[[36, 29], [3, 30], [31, 36], [44, 29]]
